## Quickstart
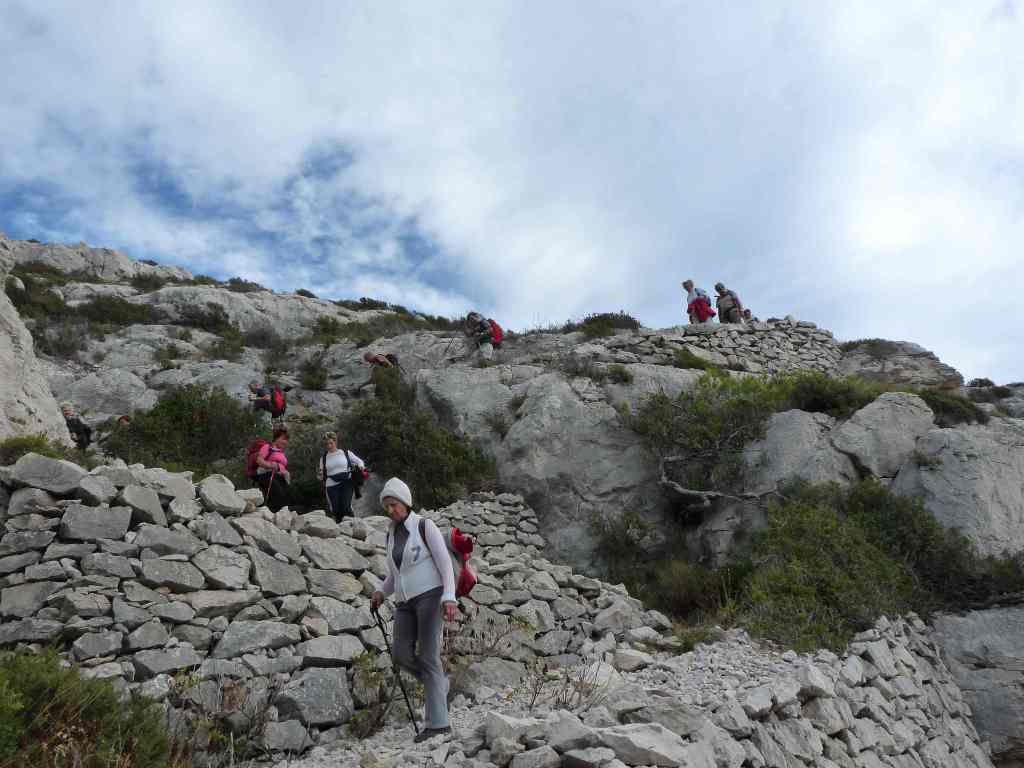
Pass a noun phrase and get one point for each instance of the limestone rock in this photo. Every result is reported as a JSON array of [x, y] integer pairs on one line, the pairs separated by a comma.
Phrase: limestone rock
[[796, 446], [273, 576], [898, 362], [316, 697], [333, 554], [223, 567], [108, 393], [267, 536], [96, 490], [968, 478], [882, 435], [246, 636], [653, 744], [152, 663], [330, 651], [218, 495], [81, 523], [289, 736], [210, 603], [164, 541], [178, 576], [53, 475]]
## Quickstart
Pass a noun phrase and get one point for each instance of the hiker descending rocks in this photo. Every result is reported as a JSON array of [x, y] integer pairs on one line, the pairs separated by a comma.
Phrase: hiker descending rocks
[[342, 474], [698, 303], [421, 577], [730, 308], [81, 433], [384, 370], [482, 334], [268, 399], [267, 466]]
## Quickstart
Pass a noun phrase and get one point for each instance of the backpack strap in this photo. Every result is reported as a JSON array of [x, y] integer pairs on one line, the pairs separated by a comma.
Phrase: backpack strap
[[423, 529]]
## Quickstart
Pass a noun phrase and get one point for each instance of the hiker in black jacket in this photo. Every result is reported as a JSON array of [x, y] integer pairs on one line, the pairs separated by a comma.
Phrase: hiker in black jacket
[[81, 433]]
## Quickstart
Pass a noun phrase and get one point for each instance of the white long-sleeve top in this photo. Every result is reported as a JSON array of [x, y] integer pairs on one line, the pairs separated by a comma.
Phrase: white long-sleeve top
[[336, 464], [425, 565]]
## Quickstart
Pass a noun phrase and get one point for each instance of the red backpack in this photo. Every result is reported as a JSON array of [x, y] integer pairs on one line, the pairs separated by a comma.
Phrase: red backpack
[[277, 402], [460, 547], [496, 333], [251, 467]]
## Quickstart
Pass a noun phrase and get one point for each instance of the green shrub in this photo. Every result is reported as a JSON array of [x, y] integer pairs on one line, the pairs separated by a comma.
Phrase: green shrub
[[228, 347], [33, 271], [684, 358], [877, 348], [211, 318], [238, 285], [326, 330], [189, 428], [1001, 392], [982, 382], [618, 538], [364, 304], [313, 372], [385, 326], [620, 374], [498, 421], [601, 324], [148, 283], [52, 716], [167, 355], [263, 337], [203, 280], [307, 294], [62, 338], [184, 334], [13, 448], [818, 393], [113, 310], [37, 301], [951, 409], [398, 437]]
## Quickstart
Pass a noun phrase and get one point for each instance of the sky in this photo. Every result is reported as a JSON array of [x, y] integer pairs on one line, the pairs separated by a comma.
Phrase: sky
[[860, 165]]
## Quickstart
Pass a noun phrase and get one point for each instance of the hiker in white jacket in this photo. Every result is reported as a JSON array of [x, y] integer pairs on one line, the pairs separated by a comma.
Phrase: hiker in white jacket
[[421, 577]]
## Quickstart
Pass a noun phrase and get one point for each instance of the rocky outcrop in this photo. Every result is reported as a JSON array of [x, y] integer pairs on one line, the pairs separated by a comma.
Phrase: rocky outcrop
[[881, 435], [26, 403], [101, 263], [888, 701], [898, 362], [796, 446], [985, 653], [969, 478]]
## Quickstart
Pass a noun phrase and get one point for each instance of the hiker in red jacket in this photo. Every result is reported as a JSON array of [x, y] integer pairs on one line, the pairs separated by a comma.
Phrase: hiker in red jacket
[[698, 304], [479, 335]]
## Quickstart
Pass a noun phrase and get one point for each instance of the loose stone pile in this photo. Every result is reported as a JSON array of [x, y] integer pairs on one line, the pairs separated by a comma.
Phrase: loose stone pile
[[768, 347]]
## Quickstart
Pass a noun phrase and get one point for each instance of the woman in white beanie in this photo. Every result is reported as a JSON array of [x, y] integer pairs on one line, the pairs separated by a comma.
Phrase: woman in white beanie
[[421, 577]]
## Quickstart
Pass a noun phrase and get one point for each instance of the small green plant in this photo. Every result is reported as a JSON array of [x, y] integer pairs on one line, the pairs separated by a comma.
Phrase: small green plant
[[982, 382], [326, 330], [313, 373], [184, 334], [238, 285], [620, 374], [13, 448], [307, 294], [516, 402], [691, 637], [876, 348], [203, 280], [114, 310], [926, 460], [52, 716], [684, 358], [210, 317], [601, 324], [951, 409], [817, 392], [498, 421], [228, 347], [167, 356], [148, 283]]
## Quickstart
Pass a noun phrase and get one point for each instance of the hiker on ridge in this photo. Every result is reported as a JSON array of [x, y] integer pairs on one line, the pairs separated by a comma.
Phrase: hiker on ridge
[[81, 433], [698, 304], [730, 308], [421, 577], [337, 470], [272, 475], [479, 335]]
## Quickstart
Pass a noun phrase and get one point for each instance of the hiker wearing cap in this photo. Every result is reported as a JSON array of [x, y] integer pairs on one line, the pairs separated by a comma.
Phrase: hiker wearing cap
[[698, 304], [272, 476], [421, 577], [337, 471], [730, 308], [259, 396], [81, 433], [478, 335]]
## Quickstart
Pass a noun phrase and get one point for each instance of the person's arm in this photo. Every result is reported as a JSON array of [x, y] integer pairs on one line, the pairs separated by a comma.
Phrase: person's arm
[[442, 561], [355, 461], [263, 459]]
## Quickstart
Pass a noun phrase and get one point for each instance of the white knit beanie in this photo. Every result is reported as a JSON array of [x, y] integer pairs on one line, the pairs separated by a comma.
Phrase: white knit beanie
[[396, 489]]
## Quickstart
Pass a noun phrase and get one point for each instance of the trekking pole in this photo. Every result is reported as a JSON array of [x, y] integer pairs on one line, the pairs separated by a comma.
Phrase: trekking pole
[[445, 354], [398, 672]]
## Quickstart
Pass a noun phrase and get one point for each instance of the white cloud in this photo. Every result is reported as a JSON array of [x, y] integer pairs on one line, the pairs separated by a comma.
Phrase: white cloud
[[860, 166]]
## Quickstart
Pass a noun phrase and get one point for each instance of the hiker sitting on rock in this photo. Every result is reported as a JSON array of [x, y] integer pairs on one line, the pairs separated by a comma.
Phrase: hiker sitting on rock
[[337, 471], [478, 335], [272, 475], [81, 433], [421, 577], [698, 304], [730, 308]]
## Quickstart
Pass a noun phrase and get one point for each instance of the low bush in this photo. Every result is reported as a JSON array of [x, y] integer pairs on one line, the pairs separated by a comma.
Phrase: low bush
[[982, 382], [37, 300], [398, 437], [13, 448], [386, 326], [203, 280], [228, 347], [313, 373], [991, 394], [148, 283], [951, 409], [620, 374], [499, 422], [60, 338], [52, 716], [326, 330], [33, 271], [601, 324], [1001, 392], [167, 355], [209, 317], [819, 393], [189, 428], [238, 285], [113, 310], [877, 348], [684, 358], [307, 294]]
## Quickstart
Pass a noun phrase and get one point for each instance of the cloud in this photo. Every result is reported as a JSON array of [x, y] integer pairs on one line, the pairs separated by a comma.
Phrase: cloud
[[859, 166]]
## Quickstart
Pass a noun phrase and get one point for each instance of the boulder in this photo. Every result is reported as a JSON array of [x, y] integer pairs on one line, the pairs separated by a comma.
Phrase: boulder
[[94, 644], [104, 264], [247, 636], [149, 664], [898, 362], [108, 393], [653, 744], [985, 653], [317, 697], [210, 603], [30, 501], [267, 536], [145, 505], [223, 567], [174, 574], [53, 475], [795, 446], [218, 495], [164, 541], [969, 478], [289, 736], [341, 617], [333, 554], [330, 651], [274, 577], [96, 490], [26, 403], [81, 523], [882, 435], [23, 600]]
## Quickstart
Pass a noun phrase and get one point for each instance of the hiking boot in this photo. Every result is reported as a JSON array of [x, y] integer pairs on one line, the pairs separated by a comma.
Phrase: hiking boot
[[429, 733]]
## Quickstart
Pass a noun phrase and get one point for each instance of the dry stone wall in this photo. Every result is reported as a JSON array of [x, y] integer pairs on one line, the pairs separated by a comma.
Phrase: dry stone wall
[[146, 579], [759, 347]]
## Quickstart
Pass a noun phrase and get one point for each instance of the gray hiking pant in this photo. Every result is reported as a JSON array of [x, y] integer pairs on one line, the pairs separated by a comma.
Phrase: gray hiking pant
[[418, 622]]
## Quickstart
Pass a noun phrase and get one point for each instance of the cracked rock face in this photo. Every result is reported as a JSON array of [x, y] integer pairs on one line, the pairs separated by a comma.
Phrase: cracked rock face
[[899, 362]]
